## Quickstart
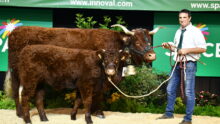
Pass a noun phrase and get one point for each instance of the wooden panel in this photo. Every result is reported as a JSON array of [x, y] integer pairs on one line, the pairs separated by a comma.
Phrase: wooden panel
[[211, 84]]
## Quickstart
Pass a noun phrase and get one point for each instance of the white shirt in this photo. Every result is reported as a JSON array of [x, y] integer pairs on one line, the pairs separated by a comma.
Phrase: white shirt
[[192, 38]]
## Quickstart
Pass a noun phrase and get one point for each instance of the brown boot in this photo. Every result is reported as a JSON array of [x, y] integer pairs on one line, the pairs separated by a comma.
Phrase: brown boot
[[164, 116], [185, 122]]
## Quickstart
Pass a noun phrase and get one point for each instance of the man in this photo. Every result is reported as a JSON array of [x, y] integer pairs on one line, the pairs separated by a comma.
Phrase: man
[[188, 43]]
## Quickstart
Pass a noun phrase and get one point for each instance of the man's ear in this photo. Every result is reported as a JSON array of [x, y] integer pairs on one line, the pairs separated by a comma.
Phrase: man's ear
[[100, 53]]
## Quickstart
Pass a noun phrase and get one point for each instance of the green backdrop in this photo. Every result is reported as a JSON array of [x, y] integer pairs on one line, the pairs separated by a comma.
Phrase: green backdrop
[[13, 17], [158, 5], [210, 25]]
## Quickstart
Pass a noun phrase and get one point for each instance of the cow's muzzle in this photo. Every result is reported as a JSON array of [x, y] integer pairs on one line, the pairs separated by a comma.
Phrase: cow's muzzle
[[110, 69], [150, 56], [110, 72]]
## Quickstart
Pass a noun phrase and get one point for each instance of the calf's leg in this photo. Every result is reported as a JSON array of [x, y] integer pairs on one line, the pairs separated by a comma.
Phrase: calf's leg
[[77, 104], [86, 94], [40, 104], [96, 108], [25, 107], [15, 87], [97, 99]]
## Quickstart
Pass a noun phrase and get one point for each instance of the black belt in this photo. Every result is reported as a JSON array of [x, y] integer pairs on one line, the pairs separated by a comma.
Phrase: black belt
[[187, 61]]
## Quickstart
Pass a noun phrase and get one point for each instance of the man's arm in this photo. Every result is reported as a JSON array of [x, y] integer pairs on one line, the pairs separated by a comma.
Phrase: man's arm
[[185, 51]]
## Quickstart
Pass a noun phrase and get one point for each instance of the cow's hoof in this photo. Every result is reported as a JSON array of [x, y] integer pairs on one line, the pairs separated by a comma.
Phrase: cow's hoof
[[89, 122], [88, 119], [28, 122], [19, 115], [44, 119], [73, 117], [100, 116]]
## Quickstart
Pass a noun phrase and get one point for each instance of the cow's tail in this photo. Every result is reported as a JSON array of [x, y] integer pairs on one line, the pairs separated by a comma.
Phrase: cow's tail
[[8, 84], [19, 92]]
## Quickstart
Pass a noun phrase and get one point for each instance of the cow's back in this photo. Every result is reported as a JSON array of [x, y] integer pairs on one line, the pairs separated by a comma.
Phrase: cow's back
[[93, 39], [57, 65]]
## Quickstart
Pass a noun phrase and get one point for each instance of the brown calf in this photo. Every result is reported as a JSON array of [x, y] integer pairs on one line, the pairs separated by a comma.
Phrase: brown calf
[[58, 66]]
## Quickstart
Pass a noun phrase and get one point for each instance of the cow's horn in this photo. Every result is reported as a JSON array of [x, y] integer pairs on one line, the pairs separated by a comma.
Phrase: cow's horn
[[155, 30], [124, 29]]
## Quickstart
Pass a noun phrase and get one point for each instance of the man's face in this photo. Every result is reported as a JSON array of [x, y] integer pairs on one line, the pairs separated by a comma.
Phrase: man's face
[[184, 19]]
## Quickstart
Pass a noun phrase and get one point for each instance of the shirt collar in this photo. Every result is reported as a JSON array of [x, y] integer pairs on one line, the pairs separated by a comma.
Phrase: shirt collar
[[187, 27]]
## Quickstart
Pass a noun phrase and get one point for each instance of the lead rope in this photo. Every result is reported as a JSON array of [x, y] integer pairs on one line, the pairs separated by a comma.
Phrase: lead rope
[[182, 75], [109, 79], [126, 95]]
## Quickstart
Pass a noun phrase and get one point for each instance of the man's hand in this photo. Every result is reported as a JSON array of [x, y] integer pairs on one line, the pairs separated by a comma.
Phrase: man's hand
[[166, 45]]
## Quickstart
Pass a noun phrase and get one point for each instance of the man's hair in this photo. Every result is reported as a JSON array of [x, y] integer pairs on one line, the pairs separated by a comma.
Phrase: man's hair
[[185, 11]]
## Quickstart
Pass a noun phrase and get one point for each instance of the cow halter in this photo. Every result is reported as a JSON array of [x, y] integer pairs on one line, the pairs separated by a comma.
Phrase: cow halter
[[146, 49]]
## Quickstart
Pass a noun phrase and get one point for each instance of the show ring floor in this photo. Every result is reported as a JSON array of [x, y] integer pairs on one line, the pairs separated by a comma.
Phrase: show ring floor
[[62, 116]]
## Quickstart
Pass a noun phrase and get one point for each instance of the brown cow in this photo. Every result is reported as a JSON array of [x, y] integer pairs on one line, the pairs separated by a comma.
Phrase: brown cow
[[58, 66], [137, 41]]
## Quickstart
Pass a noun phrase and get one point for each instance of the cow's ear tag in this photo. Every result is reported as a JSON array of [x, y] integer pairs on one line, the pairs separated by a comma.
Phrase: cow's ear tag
[[129, 70], [124, 70]]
